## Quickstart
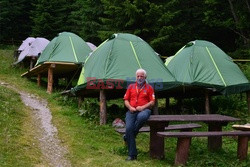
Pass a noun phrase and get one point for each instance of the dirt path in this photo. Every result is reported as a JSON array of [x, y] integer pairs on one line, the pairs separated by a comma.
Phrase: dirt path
[[51, 147]]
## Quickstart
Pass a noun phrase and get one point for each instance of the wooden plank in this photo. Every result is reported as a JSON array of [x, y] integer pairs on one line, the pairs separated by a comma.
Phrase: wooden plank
[[170, 127], [198, 118], [61, 68], [203, 134]]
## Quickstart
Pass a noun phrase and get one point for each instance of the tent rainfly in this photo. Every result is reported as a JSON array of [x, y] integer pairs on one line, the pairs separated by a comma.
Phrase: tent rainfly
[[112, 66]]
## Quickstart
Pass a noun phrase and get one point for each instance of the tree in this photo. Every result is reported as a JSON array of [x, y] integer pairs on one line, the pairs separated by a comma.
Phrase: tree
[[137, 17], [14, 20], [50, 17], [85, 16], [230, 15]]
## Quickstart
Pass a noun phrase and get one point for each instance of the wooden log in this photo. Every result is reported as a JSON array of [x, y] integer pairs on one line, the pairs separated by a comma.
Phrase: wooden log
[[103, 108], [50, 78]]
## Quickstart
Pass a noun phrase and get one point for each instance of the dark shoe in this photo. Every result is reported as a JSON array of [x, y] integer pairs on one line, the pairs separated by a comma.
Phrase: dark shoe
[[125, 140], [131, 158]]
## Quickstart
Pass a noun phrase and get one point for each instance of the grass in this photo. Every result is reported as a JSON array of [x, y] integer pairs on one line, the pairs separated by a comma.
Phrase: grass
[[90, 144], [18, 146]]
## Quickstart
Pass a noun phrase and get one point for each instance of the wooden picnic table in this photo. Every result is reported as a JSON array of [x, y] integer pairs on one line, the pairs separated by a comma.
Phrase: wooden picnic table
[[157, 123]]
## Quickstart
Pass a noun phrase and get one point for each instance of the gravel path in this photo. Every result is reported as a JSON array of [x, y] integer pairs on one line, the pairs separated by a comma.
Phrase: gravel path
[[50, 144]]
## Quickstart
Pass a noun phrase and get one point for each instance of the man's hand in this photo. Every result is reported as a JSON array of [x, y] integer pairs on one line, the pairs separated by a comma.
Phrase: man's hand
[[139, 108], [132, 109]]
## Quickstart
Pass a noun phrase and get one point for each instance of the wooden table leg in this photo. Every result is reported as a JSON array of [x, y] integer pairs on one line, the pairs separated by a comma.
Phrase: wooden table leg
[[242, 147], [182, 150], [214, 142], [156, 142]]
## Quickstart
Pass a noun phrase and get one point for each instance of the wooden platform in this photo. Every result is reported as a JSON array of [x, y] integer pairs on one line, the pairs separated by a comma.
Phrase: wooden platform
[[53, 70], [59, 68]]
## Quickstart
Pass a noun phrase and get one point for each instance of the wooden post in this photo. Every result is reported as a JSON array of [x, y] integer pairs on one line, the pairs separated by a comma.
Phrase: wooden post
[[50, 78], [80, 100], [167, 105], [155, 108], [39, 80], [248, 101], [207, 102], [179, 105], [103, 108]]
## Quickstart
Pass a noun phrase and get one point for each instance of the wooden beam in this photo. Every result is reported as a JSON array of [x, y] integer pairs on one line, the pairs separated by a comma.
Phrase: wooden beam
[[103, 108]]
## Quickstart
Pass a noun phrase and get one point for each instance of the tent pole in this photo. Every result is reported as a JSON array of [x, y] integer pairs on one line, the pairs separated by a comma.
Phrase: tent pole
[[103, 107], [207, 102], [50, 78]]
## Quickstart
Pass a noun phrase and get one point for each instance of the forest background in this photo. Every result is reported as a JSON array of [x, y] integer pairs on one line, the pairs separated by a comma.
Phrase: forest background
[[165, 25]]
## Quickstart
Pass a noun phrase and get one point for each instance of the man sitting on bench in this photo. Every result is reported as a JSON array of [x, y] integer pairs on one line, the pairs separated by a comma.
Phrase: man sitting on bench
[[139, 99]]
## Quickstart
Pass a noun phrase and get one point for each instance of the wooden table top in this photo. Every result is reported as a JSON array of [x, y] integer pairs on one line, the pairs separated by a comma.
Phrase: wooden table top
[[196, 117]]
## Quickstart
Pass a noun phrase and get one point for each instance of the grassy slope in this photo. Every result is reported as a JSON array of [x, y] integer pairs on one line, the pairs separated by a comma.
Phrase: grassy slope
[[92, 145]]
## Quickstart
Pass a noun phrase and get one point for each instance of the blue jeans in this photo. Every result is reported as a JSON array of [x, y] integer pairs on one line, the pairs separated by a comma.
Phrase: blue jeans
[[134, 121]]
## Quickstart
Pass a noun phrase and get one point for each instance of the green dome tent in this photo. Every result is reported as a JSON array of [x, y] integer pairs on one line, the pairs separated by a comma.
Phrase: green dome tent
[[66, 47], [115, 62], [203, 64]]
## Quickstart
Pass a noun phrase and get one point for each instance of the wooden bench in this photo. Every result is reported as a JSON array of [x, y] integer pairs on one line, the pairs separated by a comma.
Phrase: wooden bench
[[181, 127], [184, 141]]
